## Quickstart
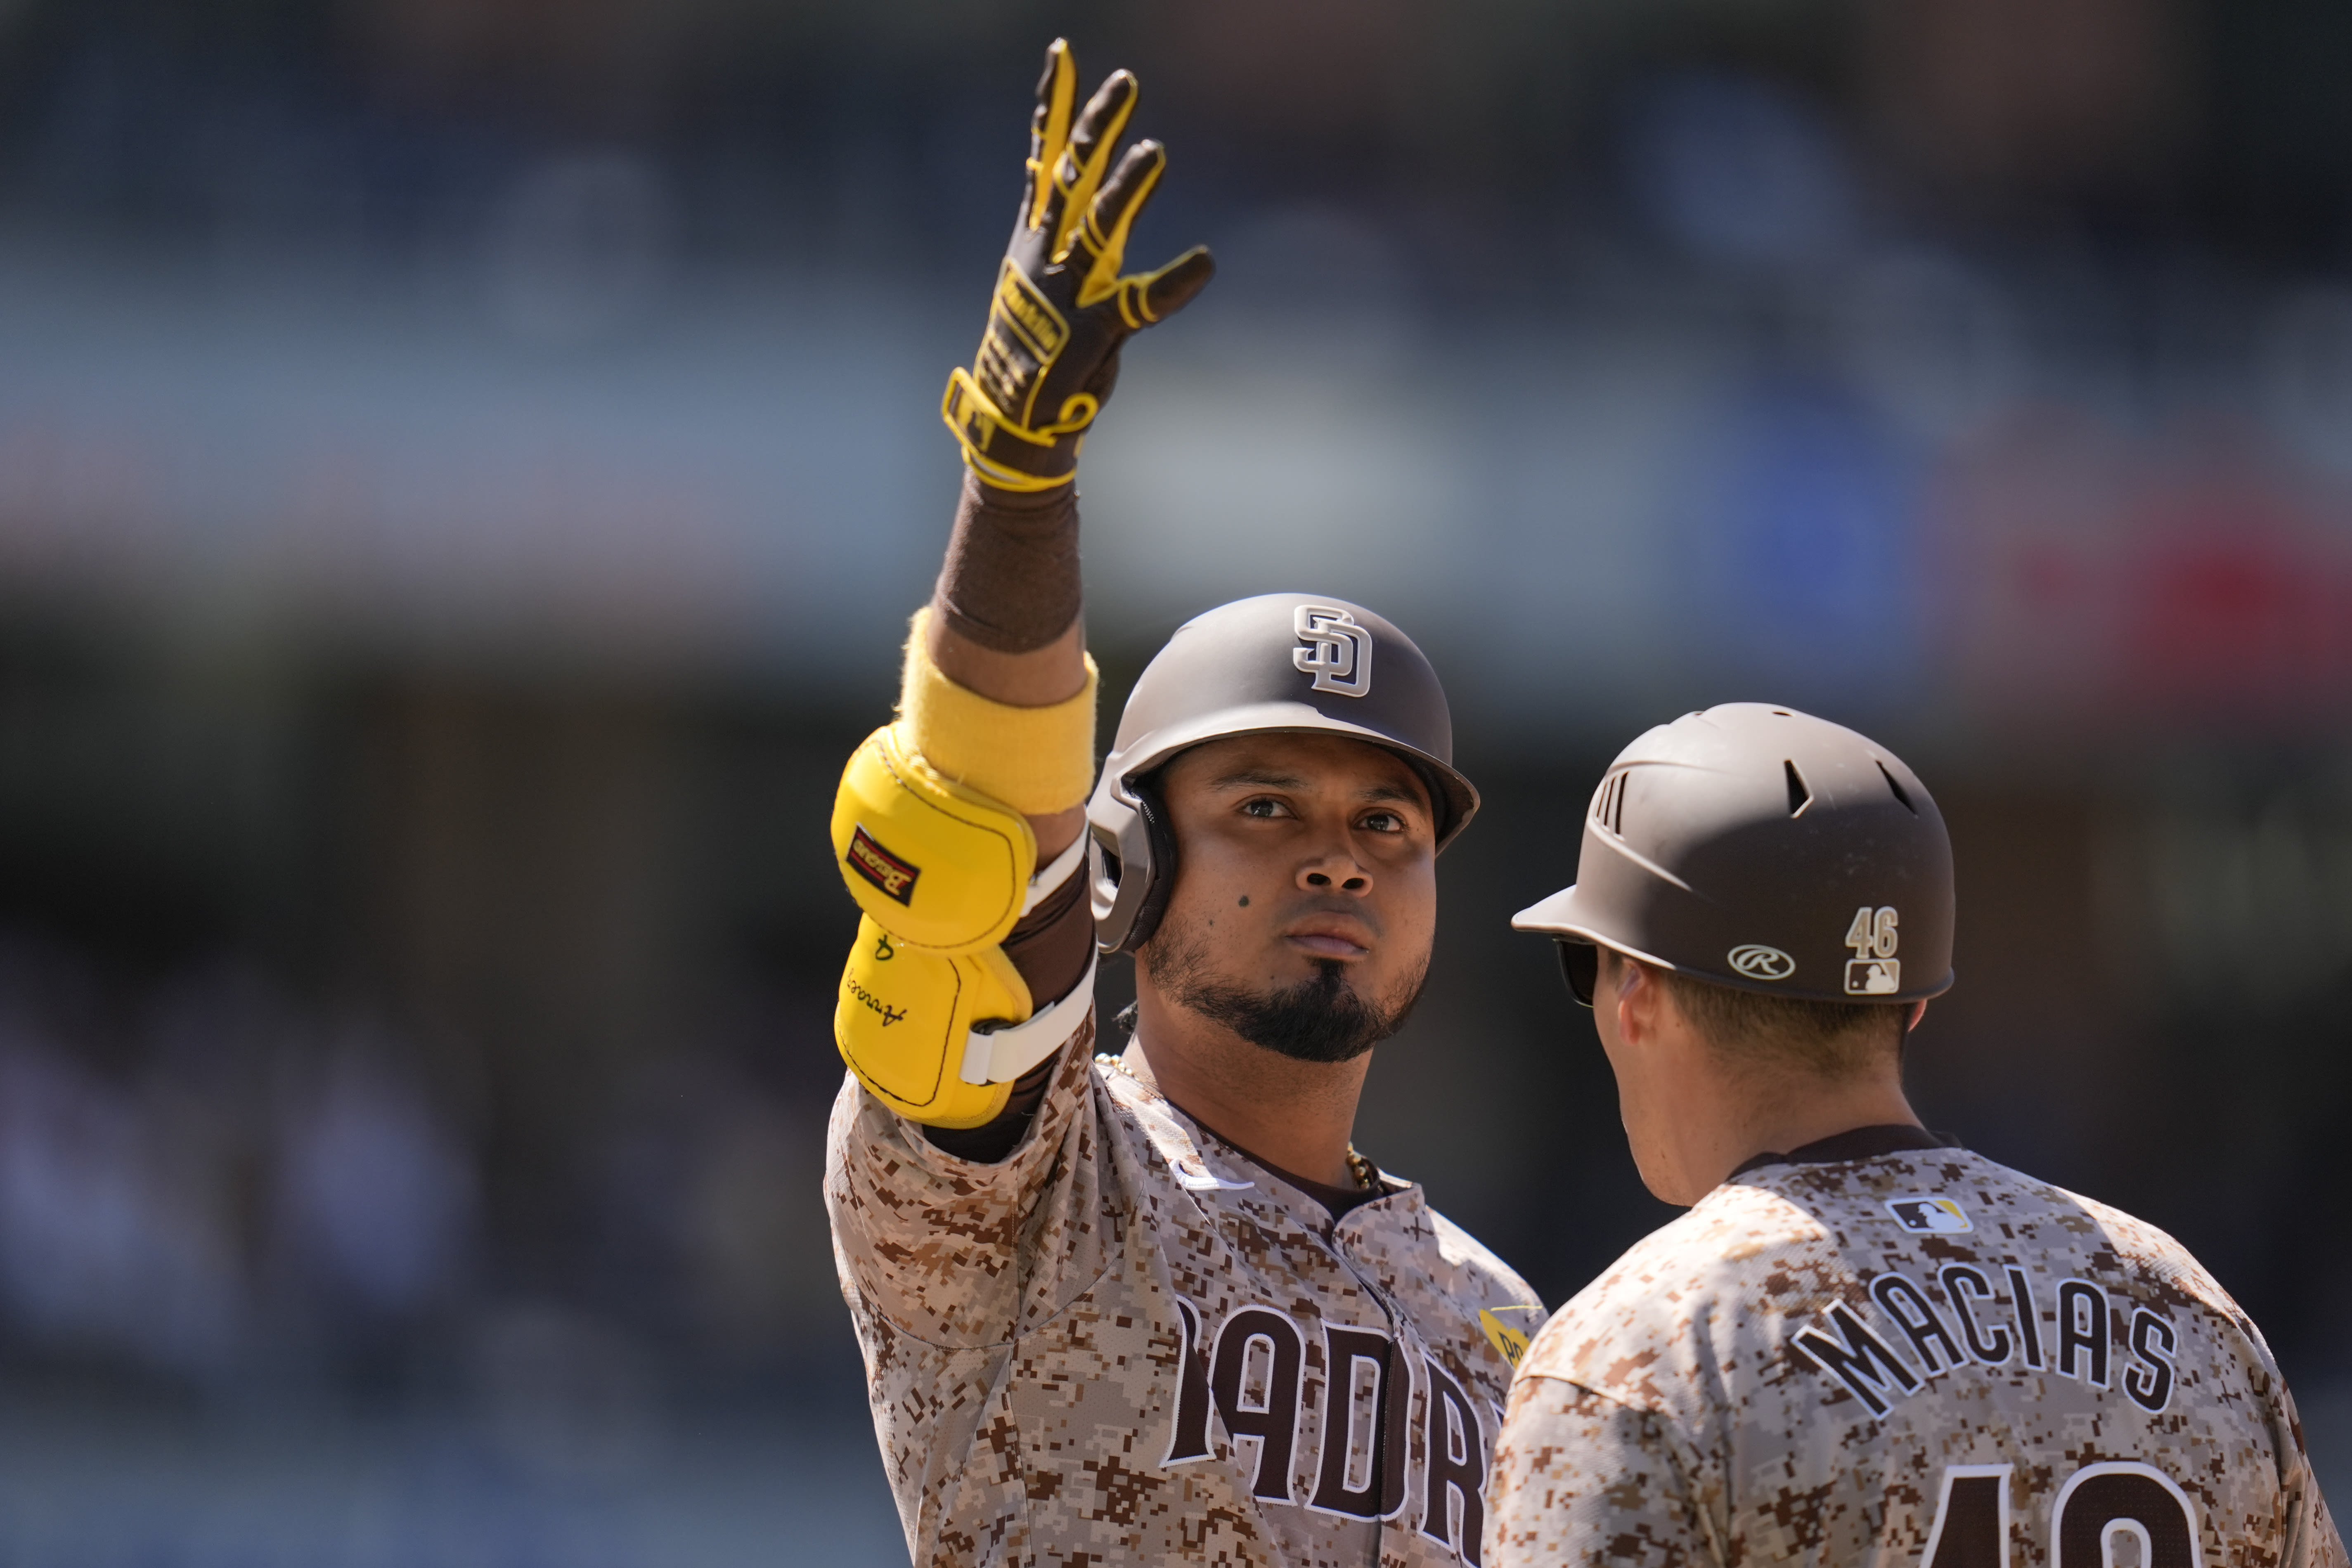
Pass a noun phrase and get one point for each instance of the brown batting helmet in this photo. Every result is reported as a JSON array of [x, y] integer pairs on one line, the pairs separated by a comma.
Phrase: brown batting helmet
[[1297, 662], [1762, 848]]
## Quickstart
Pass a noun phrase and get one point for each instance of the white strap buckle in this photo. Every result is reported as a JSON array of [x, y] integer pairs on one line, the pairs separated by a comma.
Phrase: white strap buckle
[[1004, 1053]]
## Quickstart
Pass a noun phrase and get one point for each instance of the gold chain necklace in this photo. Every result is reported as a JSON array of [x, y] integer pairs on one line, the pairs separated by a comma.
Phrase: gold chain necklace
[[1367, 1175]]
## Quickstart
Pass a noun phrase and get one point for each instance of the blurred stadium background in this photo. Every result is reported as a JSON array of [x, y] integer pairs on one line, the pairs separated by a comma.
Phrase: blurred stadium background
[[464, 466]]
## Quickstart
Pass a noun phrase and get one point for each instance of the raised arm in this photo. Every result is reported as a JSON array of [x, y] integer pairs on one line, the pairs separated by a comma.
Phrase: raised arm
[[1005, 617], [959, 828]]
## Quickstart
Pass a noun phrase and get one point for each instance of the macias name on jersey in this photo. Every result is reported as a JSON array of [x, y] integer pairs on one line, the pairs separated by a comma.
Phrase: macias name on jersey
[[1251, 1377], [2086, 1336]]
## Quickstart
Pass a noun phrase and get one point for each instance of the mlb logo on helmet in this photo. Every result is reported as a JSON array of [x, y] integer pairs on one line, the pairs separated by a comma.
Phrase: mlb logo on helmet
[[1873, 976], [1924, 1216]]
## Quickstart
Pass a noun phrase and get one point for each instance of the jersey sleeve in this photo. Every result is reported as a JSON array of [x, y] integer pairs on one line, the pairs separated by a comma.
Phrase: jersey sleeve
[[959, 1253], [2312, 1540], [2308, 1536], [1580, 1478]]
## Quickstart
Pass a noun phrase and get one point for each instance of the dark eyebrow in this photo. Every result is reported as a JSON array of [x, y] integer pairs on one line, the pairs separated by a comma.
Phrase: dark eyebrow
[[1261, 778], [1391, 792]]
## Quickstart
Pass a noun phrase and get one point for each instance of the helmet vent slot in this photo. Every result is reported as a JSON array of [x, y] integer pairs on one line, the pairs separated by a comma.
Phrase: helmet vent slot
[[1897, 787], [1799, 796], [1609, 805]]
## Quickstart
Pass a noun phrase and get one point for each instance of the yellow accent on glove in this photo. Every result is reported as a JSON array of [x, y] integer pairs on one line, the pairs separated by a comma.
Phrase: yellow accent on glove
[[1109, 250], [981, 427], [939, 865], [1049, 130], [1037, 760], [905, 1015], [1063, 302]]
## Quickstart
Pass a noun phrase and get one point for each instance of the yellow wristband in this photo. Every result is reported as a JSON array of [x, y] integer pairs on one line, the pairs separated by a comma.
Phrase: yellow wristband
[[1038, 761]]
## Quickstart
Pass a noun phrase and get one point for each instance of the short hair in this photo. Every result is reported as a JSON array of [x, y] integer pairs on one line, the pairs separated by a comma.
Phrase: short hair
[[1831, 1040]]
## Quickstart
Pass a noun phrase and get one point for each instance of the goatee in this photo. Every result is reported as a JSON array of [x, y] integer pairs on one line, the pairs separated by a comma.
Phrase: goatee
[[1321, 1019]]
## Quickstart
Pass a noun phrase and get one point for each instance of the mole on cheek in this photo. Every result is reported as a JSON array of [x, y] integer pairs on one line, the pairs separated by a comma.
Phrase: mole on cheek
[[1244, 900]]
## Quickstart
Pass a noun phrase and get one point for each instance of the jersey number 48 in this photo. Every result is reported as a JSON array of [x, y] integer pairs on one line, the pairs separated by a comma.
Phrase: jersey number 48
[[2098, 1503]]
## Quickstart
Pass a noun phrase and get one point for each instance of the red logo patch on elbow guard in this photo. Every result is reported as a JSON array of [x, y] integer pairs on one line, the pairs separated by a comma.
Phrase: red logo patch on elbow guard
[[895, 877]]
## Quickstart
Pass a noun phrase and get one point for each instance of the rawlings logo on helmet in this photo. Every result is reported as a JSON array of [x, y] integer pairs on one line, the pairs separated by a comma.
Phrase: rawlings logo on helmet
[[1338, 652], [1759, 962]]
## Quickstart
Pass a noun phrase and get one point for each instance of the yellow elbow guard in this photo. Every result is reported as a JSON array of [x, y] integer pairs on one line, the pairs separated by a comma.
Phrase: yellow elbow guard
[[937, 865], [933, 1017], [940, 1037], [906, 1016]]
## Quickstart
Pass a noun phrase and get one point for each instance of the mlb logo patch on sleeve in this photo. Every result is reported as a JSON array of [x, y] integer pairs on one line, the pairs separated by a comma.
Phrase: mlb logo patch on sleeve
[[1929, 1216]]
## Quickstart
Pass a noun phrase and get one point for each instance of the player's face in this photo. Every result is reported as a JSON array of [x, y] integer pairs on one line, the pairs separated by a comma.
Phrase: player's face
[[1305, 895]]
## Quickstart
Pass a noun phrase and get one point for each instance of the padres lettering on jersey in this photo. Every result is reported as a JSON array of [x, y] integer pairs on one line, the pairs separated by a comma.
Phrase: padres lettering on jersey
[[1127, 1342], [1922, 1360]]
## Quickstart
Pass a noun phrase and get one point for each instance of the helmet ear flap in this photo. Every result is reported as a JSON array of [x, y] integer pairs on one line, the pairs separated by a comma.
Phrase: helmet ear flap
[[1134, 863], [1161, 839]]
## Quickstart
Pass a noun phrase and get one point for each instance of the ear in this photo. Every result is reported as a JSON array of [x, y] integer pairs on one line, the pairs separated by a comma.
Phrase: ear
[[1918, 1010], [1641, 1001]]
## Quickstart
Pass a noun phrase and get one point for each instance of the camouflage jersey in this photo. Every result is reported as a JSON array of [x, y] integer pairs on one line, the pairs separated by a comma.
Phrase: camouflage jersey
[[1916, 1359], [1127, 1343]]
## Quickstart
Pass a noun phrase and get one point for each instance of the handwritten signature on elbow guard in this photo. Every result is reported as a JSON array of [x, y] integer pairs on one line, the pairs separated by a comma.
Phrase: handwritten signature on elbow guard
[[889, 1014]]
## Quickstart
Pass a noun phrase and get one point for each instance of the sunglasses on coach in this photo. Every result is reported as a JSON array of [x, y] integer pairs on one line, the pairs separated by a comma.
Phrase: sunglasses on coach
[[1580, 965]]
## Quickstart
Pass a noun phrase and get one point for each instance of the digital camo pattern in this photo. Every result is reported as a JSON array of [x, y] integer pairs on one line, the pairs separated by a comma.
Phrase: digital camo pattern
[[1829, 1363], [1127, 1343]]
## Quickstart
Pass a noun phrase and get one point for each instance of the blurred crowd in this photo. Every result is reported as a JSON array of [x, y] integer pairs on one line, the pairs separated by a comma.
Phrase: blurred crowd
[[210, 1179]]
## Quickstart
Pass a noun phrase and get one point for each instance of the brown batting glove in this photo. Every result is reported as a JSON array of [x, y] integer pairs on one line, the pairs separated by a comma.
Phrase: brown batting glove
[[1062, 309]]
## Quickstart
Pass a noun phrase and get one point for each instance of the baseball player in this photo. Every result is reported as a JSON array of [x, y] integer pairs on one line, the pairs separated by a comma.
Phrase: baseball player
[[1861, 1344], [1151, 1308]]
